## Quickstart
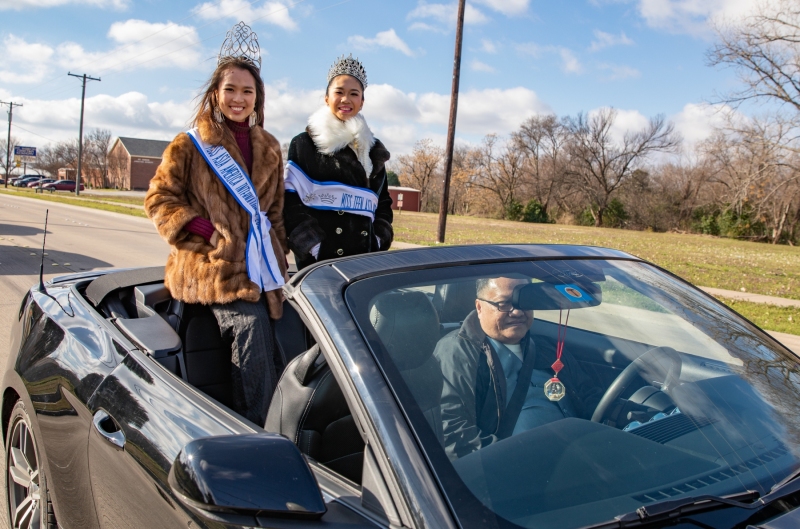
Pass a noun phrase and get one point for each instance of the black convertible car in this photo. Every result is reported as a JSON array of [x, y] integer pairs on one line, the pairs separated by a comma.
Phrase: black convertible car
[[115, 409]]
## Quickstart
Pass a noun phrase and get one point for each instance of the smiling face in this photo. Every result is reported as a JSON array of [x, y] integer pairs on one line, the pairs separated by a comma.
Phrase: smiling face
[[505, 327], [236, 94], [345, 97]]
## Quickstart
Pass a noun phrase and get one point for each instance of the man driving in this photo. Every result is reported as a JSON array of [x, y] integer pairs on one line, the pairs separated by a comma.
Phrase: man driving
[[494, 375]]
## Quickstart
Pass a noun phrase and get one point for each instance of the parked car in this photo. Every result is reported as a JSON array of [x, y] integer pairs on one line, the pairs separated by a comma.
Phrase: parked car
[[116, 402], [61, 185], [25, 180], [40, 182]]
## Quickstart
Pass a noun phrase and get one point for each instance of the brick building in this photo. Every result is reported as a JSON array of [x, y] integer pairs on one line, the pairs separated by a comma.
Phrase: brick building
[[132, 162]]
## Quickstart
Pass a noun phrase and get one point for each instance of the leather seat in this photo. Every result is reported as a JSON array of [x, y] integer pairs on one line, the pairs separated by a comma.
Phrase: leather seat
[[309, 408], [408, 326], [206, 355], [454, 301]]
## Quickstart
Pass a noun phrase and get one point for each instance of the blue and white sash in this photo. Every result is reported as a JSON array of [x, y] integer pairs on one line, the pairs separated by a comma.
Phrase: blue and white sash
[[262, 266], [329, 195]]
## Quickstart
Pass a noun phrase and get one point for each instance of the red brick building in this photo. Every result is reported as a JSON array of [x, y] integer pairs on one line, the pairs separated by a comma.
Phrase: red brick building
[[132, 162]]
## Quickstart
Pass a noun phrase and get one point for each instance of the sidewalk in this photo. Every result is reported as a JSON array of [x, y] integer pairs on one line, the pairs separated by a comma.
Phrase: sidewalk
[[753, 298]]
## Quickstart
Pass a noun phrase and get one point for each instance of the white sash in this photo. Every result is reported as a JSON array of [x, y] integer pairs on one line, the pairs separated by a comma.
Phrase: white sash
[[262, 266], [329, 195]]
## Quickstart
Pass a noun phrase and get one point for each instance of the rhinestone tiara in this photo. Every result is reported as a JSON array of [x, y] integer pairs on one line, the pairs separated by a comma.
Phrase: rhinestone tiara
[[240, 42], [348, 66]]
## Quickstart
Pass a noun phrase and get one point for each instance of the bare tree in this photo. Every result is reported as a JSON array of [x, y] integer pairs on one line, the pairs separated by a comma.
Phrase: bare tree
[[96, 155], [542, 139], [601, 165], [763, 49], [3, 146], [500, 170], [421, 170]]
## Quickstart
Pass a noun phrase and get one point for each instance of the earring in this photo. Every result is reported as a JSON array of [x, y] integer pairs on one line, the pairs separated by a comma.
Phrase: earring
[[218, 117], [253, 118]]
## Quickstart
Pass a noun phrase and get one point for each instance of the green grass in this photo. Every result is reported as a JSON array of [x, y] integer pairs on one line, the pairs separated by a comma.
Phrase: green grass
[[772, 270], [769, 317], [114, 204]]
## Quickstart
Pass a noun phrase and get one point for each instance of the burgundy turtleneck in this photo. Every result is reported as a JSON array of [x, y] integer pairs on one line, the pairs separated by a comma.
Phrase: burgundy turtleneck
[[241, 131]]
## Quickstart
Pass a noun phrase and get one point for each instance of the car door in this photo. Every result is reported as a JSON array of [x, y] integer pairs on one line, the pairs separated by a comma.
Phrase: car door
[[64, 356], [143, 416]]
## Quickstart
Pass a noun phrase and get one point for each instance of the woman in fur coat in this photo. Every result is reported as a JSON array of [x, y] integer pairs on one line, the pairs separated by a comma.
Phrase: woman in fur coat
[[208, 229], [338, 147]]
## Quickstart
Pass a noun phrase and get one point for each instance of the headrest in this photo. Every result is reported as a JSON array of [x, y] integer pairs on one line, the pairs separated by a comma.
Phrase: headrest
[[454, 301], [407, 325]]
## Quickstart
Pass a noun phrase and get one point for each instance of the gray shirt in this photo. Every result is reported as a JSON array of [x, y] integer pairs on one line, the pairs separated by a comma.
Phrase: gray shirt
[[537, 408]]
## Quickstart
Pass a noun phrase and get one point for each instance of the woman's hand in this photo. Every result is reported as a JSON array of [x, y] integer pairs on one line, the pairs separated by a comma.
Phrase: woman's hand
[[214, 239]]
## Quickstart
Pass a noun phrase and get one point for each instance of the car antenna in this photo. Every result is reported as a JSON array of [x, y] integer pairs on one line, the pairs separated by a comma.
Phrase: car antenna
[[41, 264]]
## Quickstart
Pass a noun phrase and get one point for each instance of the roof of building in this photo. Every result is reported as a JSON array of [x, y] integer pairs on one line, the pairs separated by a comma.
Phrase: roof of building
[[398, 188], [140, 147]]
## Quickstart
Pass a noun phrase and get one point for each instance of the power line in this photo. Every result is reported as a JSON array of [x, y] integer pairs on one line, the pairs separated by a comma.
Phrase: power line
[[36, 134]]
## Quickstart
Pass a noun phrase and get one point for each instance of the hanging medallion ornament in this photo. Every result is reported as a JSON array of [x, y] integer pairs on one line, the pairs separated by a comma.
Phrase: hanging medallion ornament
[[241, 42], [554, 389]]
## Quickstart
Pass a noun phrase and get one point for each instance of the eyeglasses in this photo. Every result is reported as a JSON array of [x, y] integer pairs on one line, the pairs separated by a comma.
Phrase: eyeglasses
[[503, 306]]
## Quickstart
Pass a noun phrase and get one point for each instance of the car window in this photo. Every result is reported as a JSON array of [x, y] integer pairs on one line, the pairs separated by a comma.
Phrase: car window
[[663, 392]]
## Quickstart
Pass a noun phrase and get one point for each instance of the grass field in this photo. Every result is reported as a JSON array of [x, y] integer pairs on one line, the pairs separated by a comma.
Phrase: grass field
[[769, 317], [126, 205], [772, 270]]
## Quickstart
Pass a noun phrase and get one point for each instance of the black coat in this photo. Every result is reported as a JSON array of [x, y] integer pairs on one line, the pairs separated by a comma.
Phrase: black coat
[[339, 232], [474, 387]]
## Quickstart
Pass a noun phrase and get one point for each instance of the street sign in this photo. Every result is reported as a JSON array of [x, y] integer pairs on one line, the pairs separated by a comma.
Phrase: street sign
[[24, 154]]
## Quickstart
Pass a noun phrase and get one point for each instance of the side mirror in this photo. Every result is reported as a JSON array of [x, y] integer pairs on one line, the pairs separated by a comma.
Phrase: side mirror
[[250, 475], [549, 296]]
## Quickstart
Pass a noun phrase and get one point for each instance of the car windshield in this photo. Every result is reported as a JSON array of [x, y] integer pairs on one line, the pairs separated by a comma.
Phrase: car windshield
[[562, 393]]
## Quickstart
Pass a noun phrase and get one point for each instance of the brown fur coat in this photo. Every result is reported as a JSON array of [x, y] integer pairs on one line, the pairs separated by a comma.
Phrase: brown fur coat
[[185, 187]]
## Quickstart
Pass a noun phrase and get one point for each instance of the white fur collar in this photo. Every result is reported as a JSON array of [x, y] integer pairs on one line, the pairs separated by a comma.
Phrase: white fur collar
[[331, 135]]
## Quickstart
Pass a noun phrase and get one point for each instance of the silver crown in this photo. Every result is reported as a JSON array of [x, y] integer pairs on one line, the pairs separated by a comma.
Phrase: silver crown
[[348, 66], [240, 42]]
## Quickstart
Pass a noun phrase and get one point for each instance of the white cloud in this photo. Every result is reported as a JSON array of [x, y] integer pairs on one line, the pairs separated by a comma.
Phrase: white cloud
[[696, 122], [489, 46], [19, 5], [271, 12], [443, 16], [166, 45], [569, 62], [507, 7], [691, 16], [606, 40], [25, 62], [398, 118], [385, 39], [479, 66], [617, 71]]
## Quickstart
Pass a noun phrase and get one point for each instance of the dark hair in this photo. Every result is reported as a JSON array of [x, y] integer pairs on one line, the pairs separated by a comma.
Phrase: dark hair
[[208, 100], [363, 90]]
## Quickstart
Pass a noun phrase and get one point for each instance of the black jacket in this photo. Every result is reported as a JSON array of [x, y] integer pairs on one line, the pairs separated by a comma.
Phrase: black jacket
[[340, 233], [474, 387]]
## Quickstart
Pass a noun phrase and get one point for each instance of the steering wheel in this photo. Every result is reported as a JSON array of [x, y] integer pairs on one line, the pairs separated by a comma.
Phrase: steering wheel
[[660, 366]]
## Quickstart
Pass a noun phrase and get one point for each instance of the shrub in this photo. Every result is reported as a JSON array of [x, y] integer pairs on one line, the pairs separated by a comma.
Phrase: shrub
[[534, 212]]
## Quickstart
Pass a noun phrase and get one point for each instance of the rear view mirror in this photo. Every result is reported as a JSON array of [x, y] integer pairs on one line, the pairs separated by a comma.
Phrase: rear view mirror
[[251, 475], [548, 296]]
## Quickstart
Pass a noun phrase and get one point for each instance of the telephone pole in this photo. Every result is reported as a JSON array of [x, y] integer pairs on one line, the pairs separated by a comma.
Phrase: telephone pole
[[80, 134], [11, 106], [451, 128]]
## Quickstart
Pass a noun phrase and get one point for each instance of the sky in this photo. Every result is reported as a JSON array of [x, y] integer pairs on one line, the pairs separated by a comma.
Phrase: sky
[[520, 58]]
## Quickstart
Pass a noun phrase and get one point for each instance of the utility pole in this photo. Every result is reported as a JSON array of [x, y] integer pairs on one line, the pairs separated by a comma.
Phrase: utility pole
[[11, 106], [80, 134], [451, 128]]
